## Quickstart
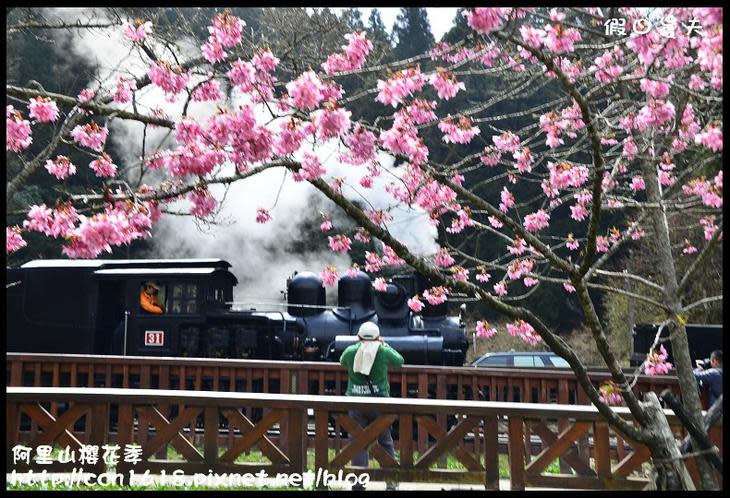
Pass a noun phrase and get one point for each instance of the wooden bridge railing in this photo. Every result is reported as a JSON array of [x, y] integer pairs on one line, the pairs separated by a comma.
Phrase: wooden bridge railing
[[472, 440], [537, 385]]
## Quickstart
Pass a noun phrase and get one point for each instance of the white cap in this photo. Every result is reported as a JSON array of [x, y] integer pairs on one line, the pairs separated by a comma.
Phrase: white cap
[[368, 331]]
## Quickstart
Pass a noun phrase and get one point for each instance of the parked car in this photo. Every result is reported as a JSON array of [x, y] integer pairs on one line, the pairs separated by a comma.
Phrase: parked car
[[521, 359]]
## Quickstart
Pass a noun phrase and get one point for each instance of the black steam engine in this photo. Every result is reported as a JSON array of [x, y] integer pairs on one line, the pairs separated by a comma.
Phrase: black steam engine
[[93, 307]]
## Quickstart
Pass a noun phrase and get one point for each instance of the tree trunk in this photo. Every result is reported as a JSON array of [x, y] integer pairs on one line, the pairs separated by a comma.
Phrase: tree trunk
[[680, 346], [671, 472]]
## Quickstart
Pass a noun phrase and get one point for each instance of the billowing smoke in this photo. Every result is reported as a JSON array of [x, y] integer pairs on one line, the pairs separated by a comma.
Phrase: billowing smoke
[[263, 256]]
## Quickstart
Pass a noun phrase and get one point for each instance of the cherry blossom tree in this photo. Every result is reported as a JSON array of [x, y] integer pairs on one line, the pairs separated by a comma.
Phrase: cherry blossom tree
[[630, 130]]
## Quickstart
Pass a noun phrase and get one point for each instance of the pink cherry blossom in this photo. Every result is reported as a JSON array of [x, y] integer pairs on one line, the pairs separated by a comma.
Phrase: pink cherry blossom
[[306, 91], [326, 225], [436, 295], [61, 167], [213, 51], [355, 53], [373, 262], [518, 246], [532, 36], [399, 86], [43, 110], [13, 240], [483, 276], [445, 84], [460, 273], [494, 222], [353, 271], [568, 287], [507, 142], [711, 137], [610, 394], [138, 30], [86, 95], [17, 130], [340, 243], [458, 131], [536, 221], [331, 122], [262, 216], [329, 276], [491, 156], [500, 289], [311, 168], [380, 285], [484, 330], [559, 39], [415, 304], [484, 20], [103, 166], [656, 363], [524, 331], [607, 66], [508, 200], [362, 236], [656, 89], [443, 259], [637, 183], [571, 244], [125, 87], [530, 282], [203, 203], [390, 257], [578, 212], [91, 135], [708, 224], [170, 78], [601, 244], [227, 29], [524, 160], [208, 91]]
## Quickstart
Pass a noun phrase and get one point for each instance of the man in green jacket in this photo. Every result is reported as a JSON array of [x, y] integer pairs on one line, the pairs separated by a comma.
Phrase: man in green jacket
[[367, 365]]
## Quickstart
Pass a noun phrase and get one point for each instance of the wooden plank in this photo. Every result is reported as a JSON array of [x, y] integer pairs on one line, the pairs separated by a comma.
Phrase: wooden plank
[[210, 436], [55, 427], [377, 451], [321, 439], [252, 433], [564, 440], [631, 462], [570, 456], [368, 435], [169, 431], [491, 453], [297, 440], [601, 449], [448, 441], [422, 393], [441, 418], [566, 481], [406, 441], [516, 453], [99, 431], [43, 419], [16, 373]]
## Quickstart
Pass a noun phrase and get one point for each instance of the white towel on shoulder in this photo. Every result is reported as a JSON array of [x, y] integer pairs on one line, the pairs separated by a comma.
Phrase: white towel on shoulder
[[365, 356]]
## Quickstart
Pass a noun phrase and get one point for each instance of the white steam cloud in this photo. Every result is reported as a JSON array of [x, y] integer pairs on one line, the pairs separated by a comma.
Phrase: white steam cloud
[[262, 255]]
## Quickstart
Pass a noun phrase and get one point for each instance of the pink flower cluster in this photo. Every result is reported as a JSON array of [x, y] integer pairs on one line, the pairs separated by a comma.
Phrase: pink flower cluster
[[53, 223], [484, 20], [460, 273], [43, 110], [607, 66], [709, 227], [326, 225], [331, 122], [507, 142], [484, 330], [711, 137], [500, 288], [656, 89], [373, 262], [562, 176], [361, 146], [203, 203], [519, 267], [138, 30], [688, 247], [443, 259], [405, 141], [171, 79], [290, 136], [415, 304], [483, 276], [508, 200], [534, 37], [307, 91], [524, 331], [559, 39], [340, 243], [329, 276], [207, 91], [399, 86], [709, 191], [355, 53], [610, 394], [61, 167], [90, 135], [523, 160], [262, 215], [17, 130], [380, 285], [311, 168], [420, 111], [390, 257], [445, 84], [103, 166], [13, 240], [656, 363], [459, 132], [536, 221], [117, 225], [491, 156], [86, 95], [124, 89], [226, 29], [436, 295], [571, 243]]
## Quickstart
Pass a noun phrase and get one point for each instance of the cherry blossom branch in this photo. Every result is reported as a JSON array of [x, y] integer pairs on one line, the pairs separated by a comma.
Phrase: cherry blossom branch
[[98, 109], [703, 301], [699, 261]]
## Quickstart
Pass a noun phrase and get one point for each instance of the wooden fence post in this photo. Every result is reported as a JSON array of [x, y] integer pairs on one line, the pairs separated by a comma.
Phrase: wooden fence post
[[516, 447]]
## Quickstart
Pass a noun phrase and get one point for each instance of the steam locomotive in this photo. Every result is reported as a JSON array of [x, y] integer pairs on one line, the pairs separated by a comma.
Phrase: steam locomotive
[[93, 307]]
